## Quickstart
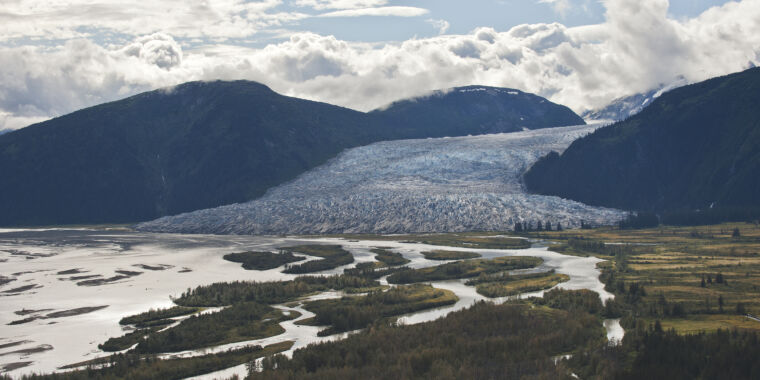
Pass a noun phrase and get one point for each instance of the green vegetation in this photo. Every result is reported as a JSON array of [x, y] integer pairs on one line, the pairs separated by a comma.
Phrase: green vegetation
[[351, 313], [239, 322], [389, 258], [332, 256], [691, 279], [502, 286], [653, 353], [682, 294], [693, 148], [463, 269], [515, 340], [247, 315], [370, 270], [440, 254], [472, 241], [590, 247], [485, 341], [228, 293], [125, 341], [263, 260], [145, 367], [572, 300], [154, 315], [481, 240]]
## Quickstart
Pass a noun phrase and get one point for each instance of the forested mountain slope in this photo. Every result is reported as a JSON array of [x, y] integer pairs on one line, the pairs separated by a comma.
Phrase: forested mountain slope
[[695, 147]]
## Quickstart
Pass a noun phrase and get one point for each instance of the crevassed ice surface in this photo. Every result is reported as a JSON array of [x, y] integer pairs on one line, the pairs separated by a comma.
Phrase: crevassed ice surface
[[425, 185]]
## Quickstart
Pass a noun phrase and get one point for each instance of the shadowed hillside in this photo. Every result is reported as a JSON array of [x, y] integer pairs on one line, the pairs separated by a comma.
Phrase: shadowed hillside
[[695, 147]]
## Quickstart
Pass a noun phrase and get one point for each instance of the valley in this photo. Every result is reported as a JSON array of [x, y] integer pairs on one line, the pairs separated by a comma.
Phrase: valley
[[375, 189], [454, 184], [602, 284], [189, 261]]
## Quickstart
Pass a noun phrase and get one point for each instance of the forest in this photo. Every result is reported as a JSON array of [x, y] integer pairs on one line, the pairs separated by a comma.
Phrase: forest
[[515, 340], [485, 341], [440, 254], [683, 294], [653, 353], [356, 312], [227, 293], [146, 367], [263, 260], [154, 315], [508, 285], [332, 256], [239, 322], [463, 269], [388, 257]]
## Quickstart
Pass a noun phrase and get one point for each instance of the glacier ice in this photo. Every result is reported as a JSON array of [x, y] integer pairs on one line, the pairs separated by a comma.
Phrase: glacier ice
[[449, 184]]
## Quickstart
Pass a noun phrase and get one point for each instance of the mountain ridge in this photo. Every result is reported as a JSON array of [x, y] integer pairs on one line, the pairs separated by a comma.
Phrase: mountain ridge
[[450, 108], [192, 146], [696, 147], [627, 106]]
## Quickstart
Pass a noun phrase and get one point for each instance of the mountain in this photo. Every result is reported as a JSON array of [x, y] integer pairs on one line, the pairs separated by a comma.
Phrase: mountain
[[4, 131], [482, 109], [695, 147], [627, 106], [469, 183], [193, 146]]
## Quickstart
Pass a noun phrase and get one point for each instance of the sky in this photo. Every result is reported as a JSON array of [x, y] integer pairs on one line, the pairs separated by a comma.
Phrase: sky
[[57, 56]]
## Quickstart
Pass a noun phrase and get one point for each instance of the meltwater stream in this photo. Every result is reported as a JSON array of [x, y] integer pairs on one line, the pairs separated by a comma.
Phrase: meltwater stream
[[39, 271]]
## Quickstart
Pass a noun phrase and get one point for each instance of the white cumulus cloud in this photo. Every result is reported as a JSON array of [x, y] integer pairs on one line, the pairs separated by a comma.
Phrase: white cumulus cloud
[[399, 11], [340, 4], [636, 48], [158, 49], [559, 6], [219, 19], [442, 25]]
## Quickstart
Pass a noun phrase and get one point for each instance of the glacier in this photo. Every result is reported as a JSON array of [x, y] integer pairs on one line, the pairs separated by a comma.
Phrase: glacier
[[449, 184]]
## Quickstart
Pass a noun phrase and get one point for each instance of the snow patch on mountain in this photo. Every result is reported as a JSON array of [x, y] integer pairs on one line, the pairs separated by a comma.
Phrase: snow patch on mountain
[[407, 186], [625, 107]]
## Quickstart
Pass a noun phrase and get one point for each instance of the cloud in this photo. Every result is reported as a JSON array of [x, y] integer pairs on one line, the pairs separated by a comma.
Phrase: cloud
[[219, 19], [378, 11], [157, 49], [441, 25], [635, 49], [306, 57], [340, 4], [559, 6], [11, 122], [466, 49]]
